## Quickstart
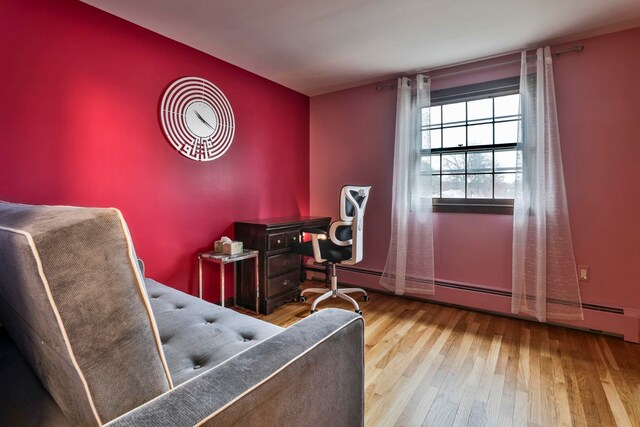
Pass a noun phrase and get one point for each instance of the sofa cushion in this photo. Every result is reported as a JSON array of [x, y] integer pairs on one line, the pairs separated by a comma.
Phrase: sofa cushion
[[197, 335], [73, 301]]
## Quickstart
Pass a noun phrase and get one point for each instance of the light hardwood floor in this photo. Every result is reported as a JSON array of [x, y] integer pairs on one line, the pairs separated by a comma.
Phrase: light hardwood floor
[[436, 365]]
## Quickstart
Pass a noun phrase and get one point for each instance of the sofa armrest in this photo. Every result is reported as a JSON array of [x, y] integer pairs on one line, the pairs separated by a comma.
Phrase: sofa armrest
[[310, 373]]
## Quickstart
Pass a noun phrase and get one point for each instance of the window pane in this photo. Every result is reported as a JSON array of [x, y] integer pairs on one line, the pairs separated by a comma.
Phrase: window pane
[[453, 163], [453, 186], [435, 163], [480, 134], [480, 109], [435, 185], [507, 105], [479, 186], [454, 137], [479, 162], [431, 116], [506, 161], [452, 113], [506, 132], [505, 185], [424, 164], [436, 138]]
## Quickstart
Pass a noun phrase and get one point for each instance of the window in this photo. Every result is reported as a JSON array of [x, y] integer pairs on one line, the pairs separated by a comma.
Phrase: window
[[474, 132]]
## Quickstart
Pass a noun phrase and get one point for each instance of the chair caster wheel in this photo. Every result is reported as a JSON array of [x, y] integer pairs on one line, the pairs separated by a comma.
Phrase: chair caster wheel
[[359, 312], [302, 298], [365, 298], [314, 311]]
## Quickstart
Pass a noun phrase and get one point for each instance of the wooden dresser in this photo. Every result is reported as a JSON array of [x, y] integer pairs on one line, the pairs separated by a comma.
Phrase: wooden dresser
[[279, 267]]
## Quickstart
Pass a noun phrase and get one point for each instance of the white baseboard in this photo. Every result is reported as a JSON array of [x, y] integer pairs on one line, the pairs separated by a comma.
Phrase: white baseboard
[[618, 321]]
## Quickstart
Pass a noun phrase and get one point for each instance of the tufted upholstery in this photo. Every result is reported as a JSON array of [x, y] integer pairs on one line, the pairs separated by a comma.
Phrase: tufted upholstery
[[311, 373], [196, 335]]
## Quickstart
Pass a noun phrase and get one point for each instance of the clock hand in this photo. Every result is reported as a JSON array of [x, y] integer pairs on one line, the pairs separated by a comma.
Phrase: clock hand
[[203, 120]]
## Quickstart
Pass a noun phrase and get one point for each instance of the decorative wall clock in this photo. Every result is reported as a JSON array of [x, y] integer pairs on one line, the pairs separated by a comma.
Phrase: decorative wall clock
[[197, 119]]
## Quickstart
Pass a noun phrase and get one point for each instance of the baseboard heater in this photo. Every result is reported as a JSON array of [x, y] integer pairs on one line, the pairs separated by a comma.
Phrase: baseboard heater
[[478, 289]]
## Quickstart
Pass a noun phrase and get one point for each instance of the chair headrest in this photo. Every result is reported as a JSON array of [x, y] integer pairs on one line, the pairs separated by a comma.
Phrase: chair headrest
[[353, 200]]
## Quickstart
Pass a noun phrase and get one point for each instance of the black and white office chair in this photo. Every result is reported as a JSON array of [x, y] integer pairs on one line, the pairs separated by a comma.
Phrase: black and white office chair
[[343, 245]]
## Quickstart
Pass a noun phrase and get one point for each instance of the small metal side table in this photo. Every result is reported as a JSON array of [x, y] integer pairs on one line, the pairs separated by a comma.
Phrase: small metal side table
[[222, 260]]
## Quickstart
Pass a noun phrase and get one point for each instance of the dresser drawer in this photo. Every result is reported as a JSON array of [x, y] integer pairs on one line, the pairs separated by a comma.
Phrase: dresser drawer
[[283, 263], [277, 241], [293, 237], [285, 282]]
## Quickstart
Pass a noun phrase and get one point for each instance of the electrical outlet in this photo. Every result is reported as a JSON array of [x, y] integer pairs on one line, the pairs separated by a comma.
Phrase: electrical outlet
[[583, 273]]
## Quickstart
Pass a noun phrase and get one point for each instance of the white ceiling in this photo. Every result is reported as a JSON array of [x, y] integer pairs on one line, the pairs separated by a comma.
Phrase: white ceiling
[[318, 46]]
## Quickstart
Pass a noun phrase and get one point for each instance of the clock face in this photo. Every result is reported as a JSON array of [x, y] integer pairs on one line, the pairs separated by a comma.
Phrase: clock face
[[201, 119], [197, 119]]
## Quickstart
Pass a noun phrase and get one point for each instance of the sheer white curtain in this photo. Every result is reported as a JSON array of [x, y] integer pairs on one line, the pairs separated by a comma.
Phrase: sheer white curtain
[[409, 268], [545, 282]]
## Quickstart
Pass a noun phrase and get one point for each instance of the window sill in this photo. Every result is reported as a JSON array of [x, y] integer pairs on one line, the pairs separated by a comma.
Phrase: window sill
[[484, 206]]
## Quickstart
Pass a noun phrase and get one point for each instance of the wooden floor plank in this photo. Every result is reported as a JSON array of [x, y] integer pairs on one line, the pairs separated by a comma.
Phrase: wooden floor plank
[[576, 398], [510, 374], [621, 384], [598, 410], [559, 384], [478, 415], [436, 365]]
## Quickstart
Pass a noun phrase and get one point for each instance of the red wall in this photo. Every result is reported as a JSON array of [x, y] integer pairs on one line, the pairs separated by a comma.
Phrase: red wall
[[79, 97], [598, 93]]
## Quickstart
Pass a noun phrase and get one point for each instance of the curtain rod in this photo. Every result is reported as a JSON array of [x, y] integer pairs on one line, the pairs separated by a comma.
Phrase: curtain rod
[[577, 49]]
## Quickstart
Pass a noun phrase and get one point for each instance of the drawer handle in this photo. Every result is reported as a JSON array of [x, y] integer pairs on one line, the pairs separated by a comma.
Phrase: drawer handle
[[286, 262], [279, 241], [285, 283], [295, 238]]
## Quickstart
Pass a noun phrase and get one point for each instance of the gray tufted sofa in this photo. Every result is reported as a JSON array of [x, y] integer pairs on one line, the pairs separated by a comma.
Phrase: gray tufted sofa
[[87, 341]]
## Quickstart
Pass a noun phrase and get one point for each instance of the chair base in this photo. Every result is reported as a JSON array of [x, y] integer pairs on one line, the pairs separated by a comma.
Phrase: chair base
[[334, 292]]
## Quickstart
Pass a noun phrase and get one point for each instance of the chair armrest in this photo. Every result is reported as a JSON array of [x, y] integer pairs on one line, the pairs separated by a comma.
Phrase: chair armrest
[[312, 372], [313, 230], [334, 228]]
